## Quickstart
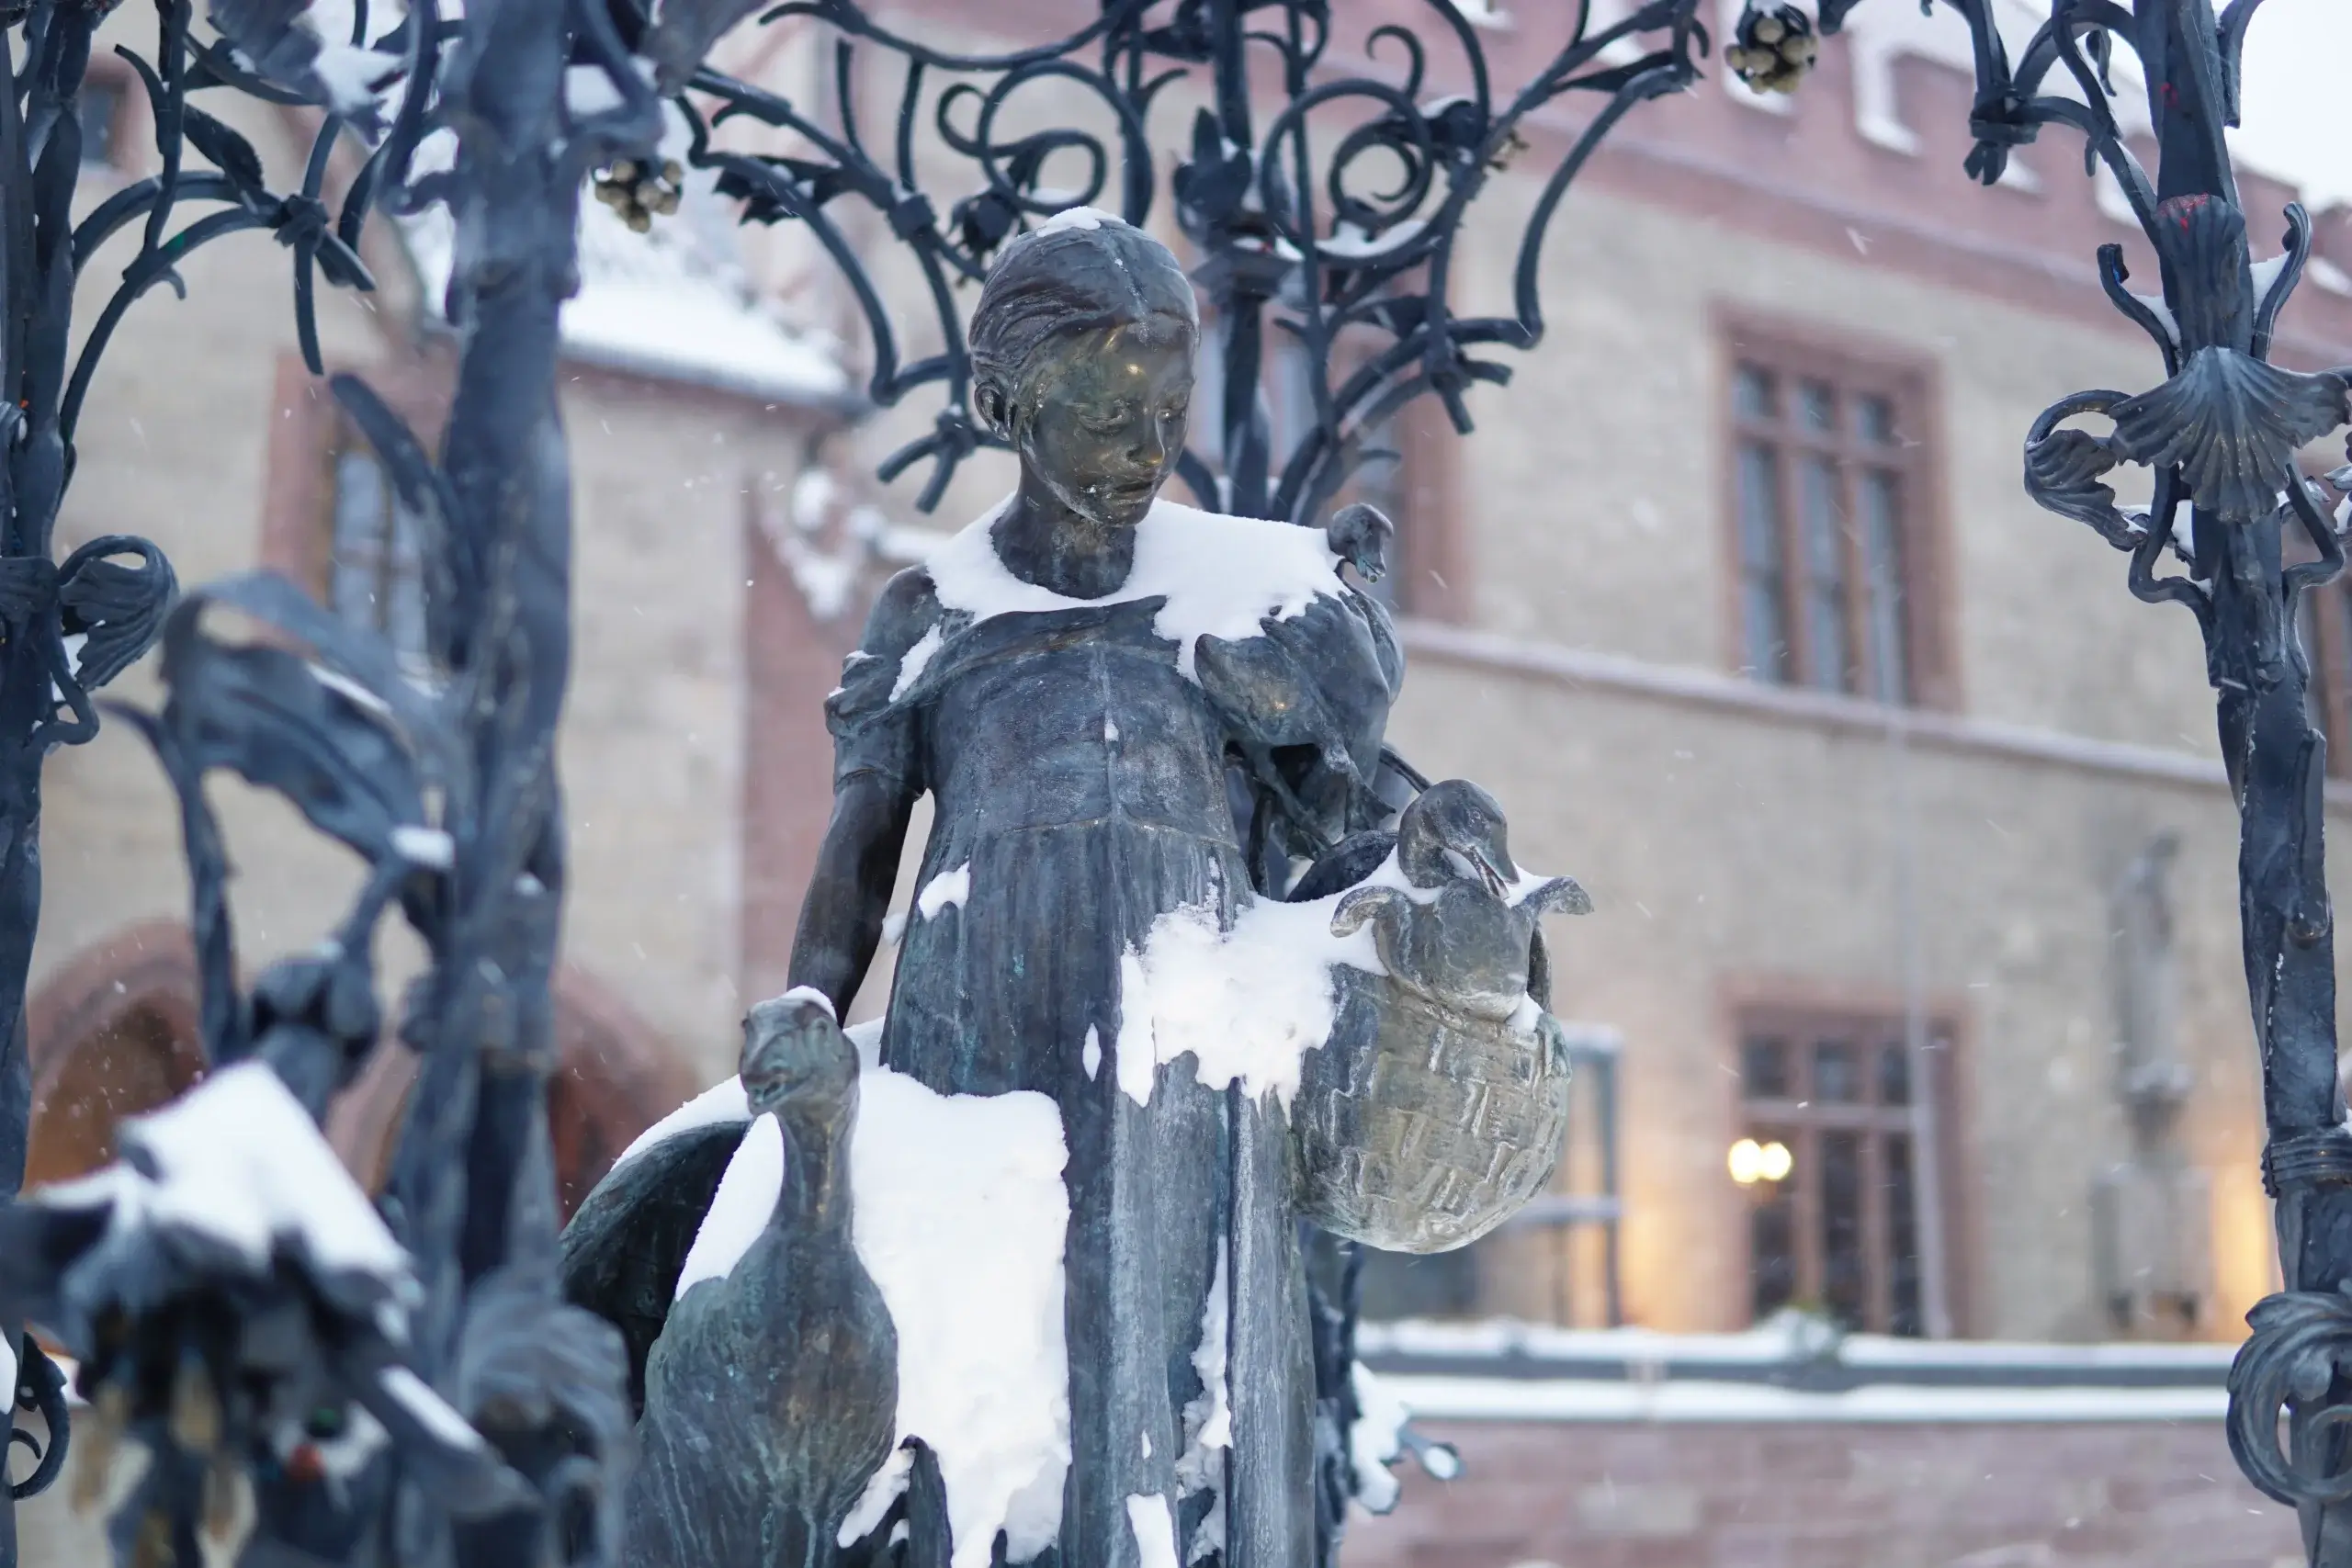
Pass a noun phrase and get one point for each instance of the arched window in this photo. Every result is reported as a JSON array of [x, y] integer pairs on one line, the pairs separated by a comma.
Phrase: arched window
[[113, 1034]]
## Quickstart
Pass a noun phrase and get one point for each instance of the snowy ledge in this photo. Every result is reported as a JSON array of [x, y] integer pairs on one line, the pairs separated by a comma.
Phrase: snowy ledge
[[1792, 1369], [1567, 1398], [1772, 1346]]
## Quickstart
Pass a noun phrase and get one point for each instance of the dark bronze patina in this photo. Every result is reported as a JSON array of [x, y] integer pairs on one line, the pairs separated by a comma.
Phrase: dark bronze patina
[[1085, 785]]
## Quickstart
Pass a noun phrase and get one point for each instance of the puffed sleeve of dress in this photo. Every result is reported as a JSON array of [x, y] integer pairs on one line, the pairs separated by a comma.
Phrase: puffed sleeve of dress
[[875, 730], [1342, 652]]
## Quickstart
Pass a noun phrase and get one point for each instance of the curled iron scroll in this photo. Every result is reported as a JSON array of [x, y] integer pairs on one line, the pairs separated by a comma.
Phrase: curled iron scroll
[[2301, 1344]]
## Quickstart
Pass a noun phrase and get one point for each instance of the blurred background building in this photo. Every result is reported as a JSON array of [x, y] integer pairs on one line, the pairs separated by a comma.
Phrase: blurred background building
[[1914, 1002]]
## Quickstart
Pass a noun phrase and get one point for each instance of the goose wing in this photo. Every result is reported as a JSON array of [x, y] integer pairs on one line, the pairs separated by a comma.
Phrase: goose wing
[[625, 1244]]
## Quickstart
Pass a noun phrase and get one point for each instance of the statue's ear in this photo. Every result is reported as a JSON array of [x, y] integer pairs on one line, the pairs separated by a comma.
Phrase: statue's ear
[[994, 405]]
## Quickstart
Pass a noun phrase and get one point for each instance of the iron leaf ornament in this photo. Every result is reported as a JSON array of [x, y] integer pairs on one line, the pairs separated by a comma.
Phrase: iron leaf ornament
[[73, 625]]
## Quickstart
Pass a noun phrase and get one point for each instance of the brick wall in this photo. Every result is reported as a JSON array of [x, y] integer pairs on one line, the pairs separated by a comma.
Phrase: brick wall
[[1847, 1495]]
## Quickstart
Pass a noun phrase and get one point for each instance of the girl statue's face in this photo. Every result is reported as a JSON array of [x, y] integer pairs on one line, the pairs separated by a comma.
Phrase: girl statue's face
[[1108, 427]]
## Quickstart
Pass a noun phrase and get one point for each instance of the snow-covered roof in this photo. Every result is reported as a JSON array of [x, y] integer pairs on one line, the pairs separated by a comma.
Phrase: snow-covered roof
[[674, 303]]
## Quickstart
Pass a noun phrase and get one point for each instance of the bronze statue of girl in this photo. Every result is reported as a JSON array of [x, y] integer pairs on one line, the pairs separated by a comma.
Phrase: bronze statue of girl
[[1119, 706], [1035, 677]]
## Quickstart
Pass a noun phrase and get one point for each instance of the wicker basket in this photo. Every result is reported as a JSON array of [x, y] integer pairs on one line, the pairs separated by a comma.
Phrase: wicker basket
[[1419, 1129]]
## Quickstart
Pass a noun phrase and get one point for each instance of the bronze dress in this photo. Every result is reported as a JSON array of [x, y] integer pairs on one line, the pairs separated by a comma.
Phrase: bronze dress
[[1084, 785]]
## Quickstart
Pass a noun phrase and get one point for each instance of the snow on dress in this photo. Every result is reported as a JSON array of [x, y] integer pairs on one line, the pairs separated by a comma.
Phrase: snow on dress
[[1079, 778]]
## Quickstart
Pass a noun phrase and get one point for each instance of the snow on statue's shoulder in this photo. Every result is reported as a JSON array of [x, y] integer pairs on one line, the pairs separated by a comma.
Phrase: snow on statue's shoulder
[[1218, 576]]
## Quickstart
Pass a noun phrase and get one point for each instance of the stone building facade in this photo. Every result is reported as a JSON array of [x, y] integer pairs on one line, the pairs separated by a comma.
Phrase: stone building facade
[[1867, 908]]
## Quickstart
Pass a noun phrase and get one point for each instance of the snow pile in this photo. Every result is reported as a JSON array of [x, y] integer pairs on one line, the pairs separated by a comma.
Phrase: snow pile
[[1154, 1524], [960, 1214], [1208, 1415], [431, 1412], [1078, 218], [1348, 241], [1248, 1004], [1376, 1440], [1220, 576], [238, 1163], [948, 890], [1388, 874], [739, 1210], [915, 660]]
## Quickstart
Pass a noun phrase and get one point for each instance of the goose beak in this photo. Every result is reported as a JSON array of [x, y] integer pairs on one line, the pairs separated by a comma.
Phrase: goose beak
[[1497, 872]]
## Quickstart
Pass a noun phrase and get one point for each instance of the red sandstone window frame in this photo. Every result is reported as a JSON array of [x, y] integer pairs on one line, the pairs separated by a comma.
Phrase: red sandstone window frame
[[308, 430], [126, 116], [1820, 1122], [1870, 462]]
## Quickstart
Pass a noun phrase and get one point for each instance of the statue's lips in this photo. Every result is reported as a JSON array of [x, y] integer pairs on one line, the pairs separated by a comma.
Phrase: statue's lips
[[1128, 497]]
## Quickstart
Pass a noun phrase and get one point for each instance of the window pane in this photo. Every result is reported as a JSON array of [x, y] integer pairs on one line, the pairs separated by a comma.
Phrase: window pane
[[1844, 1277], [101, 105], [1902, 1239], [1772, 1245], [1883, 596], [375, 578], [1894, 1074], [1762, 571], [404, 587], [1825, 578], [1752, 393], [1764, 1069], [1834, 1081], [1817, 407], [1874, 420], [362, 522]]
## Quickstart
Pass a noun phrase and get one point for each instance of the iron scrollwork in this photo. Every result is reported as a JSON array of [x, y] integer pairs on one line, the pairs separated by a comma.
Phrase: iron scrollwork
[[450, 1409], [1355, 242], [70, 626]]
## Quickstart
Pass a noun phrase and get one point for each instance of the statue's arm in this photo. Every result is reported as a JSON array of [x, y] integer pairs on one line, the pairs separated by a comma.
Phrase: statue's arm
[[849, 897], [875, 786]]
